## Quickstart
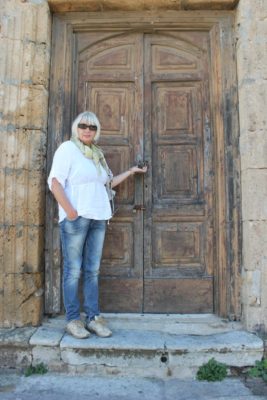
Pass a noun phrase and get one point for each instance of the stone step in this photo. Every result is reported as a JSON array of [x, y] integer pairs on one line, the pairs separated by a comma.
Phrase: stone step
[[185, 324], [141, 345]]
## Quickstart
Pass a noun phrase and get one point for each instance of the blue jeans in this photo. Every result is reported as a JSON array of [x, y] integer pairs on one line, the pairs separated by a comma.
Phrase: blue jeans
[[82, 242]]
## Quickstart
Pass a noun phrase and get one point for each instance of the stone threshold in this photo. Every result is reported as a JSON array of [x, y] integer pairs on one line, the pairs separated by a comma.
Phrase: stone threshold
[[141, 345]]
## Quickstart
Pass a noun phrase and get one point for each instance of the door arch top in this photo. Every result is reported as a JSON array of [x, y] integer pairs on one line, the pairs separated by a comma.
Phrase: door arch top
[[139, 5]]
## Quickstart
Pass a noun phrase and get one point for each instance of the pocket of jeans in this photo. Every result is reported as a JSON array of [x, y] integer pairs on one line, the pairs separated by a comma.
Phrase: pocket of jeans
[[72, 220]]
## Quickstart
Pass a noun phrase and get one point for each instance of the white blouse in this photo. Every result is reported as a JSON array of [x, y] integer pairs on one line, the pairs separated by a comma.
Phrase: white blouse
[[84, 186]]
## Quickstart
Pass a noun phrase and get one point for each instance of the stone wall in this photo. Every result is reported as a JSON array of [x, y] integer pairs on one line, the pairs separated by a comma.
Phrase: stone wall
[[24, 73], [251, 32]]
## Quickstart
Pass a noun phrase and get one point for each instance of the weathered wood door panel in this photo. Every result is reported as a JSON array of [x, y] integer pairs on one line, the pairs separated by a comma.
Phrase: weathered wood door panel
[[150, 92], [178, 271], [110, 84]]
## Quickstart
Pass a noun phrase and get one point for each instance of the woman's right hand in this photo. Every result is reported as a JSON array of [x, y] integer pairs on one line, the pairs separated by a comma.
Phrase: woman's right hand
[[62, 199], [72, 214]]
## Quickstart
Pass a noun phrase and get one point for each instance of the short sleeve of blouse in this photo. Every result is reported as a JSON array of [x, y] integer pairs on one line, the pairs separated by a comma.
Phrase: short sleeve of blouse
[[61, 164]]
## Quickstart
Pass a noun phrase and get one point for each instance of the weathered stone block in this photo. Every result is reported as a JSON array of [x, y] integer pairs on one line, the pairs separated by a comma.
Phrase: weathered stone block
[[251, 48], [36, 198], [16, 72], [10, 99], [252, 75], [41, 64], [1, 290], [14, 347], [254, 245], [33, 107], [3, 55], [208, 4], [9, 303], [47, 355], [24, 197], [21, 250], [2, 94], [17, 337], [48, 336], [23, 149], [24, 107], [264, 295], [250, 316], [253, 150], [253, 318], [252, 288], [33, 65], [29, 19], [251, 71], [246, 9], [252, 102], [43, 23], [107, 5], [129, 5], [11, 357], [12, 21], [254, 194], [23, 299]]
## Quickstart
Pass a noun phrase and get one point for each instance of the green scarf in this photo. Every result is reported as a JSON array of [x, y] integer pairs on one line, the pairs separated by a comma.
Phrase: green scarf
[[95, 153]]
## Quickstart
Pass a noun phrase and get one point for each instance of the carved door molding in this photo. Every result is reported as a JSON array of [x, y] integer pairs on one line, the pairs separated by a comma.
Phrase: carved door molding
[[223, 122]]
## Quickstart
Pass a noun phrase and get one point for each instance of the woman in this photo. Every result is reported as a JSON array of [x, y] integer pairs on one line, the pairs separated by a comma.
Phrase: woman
[[78, 180]]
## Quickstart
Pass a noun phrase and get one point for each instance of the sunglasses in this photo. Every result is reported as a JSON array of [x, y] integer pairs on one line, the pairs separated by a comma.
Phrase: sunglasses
[[91, 127]]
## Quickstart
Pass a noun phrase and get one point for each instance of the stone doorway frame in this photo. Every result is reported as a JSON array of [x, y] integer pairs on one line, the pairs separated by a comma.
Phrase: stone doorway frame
[[224, 118]]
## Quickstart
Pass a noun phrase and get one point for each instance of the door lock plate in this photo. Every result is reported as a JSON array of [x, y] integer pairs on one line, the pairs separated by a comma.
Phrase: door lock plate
[[139, 207]]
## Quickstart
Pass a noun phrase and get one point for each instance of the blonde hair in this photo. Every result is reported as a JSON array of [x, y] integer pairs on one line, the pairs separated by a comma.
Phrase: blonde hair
[[91, 119]]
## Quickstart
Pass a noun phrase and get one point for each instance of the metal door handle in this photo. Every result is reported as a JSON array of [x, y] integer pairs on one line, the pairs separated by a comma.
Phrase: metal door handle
[[139, 207], [142, 164]]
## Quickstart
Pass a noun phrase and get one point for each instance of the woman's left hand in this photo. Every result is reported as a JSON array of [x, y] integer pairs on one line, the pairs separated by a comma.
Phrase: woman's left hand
[[137, 170], [131, 171]]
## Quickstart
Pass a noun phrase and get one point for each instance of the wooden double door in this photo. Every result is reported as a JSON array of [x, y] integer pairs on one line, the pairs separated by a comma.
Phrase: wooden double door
[[151, 94]]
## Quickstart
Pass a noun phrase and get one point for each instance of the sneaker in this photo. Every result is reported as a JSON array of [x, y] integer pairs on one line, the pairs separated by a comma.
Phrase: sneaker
[[100, 319], [97, 326], [76, 328]]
